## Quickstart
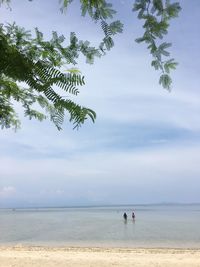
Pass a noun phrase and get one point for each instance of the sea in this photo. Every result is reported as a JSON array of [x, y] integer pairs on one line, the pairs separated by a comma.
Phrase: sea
[[155, 226]]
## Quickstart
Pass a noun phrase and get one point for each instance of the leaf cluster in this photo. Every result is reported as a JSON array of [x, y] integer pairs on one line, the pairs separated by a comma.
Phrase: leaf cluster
[[99, 11], [30, 59], [156, 15], [35, 62]]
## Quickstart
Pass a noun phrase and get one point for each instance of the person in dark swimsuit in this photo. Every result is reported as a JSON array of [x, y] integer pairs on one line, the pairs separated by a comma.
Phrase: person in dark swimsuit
[[125, 216]]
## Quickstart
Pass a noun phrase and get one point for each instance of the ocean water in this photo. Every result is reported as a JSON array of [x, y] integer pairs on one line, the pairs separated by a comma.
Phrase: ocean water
[[154, 226]]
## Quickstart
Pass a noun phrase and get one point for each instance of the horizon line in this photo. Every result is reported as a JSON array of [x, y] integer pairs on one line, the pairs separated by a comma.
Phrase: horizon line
[[104, 205]]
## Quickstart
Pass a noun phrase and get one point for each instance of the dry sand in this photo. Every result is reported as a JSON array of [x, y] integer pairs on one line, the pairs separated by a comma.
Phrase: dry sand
[[97, 257]]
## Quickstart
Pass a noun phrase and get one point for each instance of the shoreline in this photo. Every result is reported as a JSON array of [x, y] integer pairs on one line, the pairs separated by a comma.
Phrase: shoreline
[[31, 247], [38, 256]]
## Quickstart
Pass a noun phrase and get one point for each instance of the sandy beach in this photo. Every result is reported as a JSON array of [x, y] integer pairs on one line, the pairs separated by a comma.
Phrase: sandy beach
[[98, 257]]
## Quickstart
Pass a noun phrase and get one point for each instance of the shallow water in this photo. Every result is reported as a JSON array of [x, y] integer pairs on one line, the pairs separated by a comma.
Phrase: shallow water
[[154, 226]]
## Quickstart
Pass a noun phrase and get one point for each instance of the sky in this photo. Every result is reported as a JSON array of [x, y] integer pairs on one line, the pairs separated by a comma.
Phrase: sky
[[145, 144]]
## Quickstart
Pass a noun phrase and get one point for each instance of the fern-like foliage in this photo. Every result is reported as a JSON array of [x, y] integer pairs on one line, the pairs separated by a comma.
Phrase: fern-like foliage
[[99, 11], [38, 63], [21, 61], [156, 15]]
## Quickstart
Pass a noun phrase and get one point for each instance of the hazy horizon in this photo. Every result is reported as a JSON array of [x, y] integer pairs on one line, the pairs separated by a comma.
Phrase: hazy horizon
[[103, 205]]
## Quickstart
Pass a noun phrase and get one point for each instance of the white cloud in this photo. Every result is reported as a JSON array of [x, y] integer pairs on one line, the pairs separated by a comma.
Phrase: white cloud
[[153, 174], [7, 191]]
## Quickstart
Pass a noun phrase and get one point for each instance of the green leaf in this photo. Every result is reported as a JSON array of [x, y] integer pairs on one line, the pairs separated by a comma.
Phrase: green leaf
[[166, 81]]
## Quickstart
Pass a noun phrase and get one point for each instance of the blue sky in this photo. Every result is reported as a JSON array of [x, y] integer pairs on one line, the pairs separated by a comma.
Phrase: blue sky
[[145, 144]]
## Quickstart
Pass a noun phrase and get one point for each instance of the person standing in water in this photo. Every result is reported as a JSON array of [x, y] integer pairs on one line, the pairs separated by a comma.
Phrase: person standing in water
[[125, 216], [133, 215]]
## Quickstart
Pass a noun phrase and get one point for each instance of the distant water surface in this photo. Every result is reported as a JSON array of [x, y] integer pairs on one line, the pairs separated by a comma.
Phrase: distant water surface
[[154, 226]]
